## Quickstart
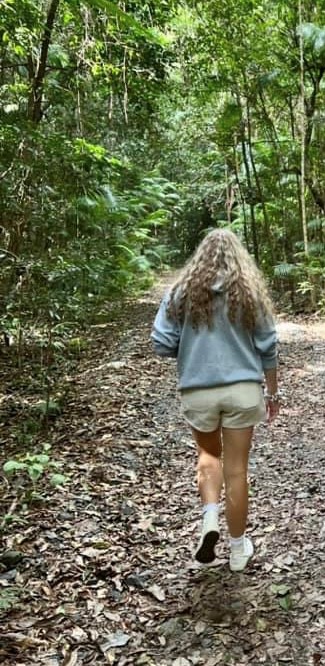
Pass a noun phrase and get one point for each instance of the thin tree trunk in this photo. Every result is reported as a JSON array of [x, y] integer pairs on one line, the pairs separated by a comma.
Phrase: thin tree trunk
[[258, 182], [126, 93], [293, 134], [242, 198], [38, 74], [251, 204], [229, 195], [302, 131], [249, 182], [80, 129]]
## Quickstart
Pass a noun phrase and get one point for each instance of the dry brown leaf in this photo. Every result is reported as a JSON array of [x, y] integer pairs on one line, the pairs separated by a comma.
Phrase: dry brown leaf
[[71, 659], [79, 635], [119, 639], [157, 592], [200, 627]]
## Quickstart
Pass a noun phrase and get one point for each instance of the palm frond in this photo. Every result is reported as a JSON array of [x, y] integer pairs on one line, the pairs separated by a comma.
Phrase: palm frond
[[285, 270]]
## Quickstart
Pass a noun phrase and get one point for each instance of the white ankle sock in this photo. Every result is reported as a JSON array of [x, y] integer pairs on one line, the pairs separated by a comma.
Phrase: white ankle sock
[[210, 507], [237, 542]]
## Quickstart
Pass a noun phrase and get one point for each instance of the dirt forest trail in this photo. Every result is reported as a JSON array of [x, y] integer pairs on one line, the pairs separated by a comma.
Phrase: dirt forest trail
[[108, 575]]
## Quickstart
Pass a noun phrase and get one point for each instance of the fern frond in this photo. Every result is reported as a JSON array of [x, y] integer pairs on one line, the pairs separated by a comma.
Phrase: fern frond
[[316, 224], [317, 249], [285, 270]]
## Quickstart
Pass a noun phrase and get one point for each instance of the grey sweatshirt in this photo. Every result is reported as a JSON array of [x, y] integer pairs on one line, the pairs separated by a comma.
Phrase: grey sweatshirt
[[223, 354]]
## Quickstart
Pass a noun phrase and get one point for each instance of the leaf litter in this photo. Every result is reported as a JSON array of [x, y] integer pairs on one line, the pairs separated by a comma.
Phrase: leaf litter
[[102, 571]]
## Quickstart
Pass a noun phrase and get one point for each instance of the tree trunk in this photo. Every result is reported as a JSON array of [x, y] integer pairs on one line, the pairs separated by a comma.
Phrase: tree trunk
[[257, 181], [251, 204], [241, 195], [304, 135], [37, 75], [249, 182]]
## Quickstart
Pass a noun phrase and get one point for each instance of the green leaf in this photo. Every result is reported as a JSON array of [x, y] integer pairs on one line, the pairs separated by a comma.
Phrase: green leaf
[[8, 598], [316, 224], [12, 466], [42, 459], [35, 471], [280, 590], [261, 624], [58, 56], [58, 479], [51, 408], [157, 218], [285, 270], [128, 250], [142, 263], [286, 602]]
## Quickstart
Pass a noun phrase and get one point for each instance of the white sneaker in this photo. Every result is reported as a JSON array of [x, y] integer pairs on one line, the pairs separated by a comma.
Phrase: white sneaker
[[239, 556], [209, 537]]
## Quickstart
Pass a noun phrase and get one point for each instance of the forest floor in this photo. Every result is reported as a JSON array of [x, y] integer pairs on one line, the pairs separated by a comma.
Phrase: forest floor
[[106, 574]]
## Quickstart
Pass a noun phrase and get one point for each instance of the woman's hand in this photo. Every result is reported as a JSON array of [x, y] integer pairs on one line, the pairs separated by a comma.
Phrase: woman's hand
[[272, 408]]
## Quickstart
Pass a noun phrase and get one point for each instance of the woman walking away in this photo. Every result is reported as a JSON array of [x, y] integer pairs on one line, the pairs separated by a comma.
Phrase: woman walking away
[[217, 321]]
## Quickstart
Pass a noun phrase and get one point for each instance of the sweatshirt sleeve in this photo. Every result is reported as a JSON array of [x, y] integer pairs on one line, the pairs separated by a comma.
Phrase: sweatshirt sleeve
[[265, 341], [165, 333]]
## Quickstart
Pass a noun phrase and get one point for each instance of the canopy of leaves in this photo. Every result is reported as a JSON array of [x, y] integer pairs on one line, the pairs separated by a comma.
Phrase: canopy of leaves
[[129, 129]]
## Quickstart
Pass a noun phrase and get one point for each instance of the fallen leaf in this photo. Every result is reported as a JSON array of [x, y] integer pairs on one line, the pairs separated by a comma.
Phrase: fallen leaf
[[79, 635], [91, 552], [286, 602], [71, 660], [119, 639], [172, 626], [145, 524], [261, 625], [269, 528], [280, 590], [110, 657], [200, 627], [157, 592], [116, 365], [145, 660]]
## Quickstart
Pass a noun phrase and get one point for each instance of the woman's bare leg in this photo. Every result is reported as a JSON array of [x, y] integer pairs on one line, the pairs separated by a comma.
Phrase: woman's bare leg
[[236, 447], [210, 476], [210, 481]]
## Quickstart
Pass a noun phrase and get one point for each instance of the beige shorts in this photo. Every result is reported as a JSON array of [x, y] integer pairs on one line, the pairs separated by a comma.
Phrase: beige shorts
[[239, 405]]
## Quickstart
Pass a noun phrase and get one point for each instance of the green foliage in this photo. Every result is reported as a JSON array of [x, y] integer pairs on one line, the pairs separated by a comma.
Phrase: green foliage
[[48, 408], [314, 38], [9, 597], [78, 215], [285, 270], [129, 129], [282, 592], [35, 466], [86, 212]]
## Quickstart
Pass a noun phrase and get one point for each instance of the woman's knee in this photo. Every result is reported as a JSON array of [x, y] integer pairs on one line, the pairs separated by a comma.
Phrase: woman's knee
[[235, 477], [207, 464]]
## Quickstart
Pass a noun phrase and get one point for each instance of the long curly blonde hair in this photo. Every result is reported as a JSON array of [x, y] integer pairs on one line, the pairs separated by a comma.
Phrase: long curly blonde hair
[[220, 258]]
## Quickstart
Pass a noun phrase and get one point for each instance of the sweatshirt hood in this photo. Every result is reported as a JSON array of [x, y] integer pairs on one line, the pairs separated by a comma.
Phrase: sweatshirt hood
[[218, 286]]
